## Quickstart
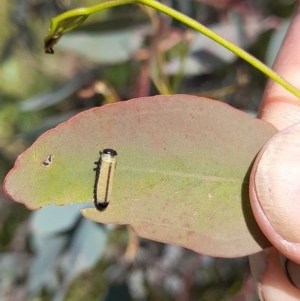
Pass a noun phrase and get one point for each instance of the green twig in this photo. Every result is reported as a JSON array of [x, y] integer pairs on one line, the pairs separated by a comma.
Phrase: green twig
[[73, 18]]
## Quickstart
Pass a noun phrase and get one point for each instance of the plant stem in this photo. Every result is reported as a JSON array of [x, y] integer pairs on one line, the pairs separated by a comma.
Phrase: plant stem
[[75, 17]]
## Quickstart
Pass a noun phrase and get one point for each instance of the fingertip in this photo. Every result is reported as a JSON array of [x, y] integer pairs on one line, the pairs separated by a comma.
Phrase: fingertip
[[275, 191]]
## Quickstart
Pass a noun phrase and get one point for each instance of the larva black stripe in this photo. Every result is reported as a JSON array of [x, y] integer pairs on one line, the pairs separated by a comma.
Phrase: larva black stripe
[[97, 169], [107, 183]]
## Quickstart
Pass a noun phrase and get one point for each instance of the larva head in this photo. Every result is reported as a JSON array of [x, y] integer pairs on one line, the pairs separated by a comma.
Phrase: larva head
[[109, 151], [108, 155]]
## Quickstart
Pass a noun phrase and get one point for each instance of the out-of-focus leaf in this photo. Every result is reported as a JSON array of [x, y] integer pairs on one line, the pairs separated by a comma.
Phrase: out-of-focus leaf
[[12, 267], [182, 171], [86, 248], [50, 241], [44, 267], [49, 99], [51, 220], [47, 124], [111, 48], [205, 55], [276, 41]]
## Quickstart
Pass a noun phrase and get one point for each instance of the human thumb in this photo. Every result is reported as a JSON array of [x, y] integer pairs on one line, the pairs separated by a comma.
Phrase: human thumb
[[275, 191]]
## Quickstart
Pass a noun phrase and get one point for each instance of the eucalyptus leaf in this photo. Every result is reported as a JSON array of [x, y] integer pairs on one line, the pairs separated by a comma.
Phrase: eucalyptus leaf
[[181, 177]]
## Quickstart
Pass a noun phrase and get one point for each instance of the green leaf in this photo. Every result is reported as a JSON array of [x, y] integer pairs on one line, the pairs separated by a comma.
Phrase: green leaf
[[181, 177]]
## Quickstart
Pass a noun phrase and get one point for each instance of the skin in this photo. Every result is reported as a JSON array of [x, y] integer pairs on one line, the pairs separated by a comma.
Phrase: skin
[[275, 180]]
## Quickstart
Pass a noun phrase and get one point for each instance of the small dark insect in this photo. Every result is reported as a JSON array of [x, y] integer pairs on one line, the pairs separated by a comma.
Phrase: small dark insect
[[105, 169], [48, 161], [50, 42]]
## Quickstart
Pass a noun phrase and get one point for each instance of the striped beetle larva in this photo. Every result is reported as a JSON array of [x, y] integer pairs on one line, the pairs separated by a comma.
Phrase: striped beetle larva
[[105, 169]]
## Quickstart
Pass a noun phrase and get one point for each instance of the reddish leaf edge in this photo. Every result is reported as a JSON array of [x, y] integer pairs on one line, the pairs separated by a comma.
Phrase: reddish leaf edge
[[73, 119]]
